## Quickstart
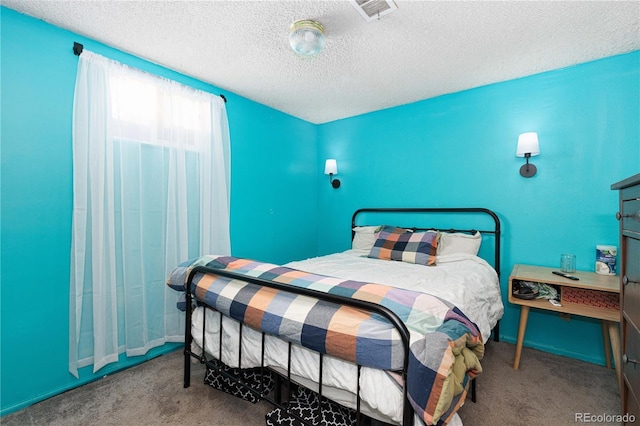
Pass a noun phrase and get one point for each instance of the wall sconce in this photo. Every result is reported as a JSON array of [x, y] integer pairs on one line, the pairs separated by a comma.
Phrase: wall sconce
[[331, 168], [528, 147]]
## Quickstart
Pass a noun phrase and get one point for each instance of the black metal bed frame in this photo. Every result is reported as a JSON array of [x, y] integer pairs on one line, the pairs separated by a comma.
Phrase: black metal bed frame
[[367, 306]]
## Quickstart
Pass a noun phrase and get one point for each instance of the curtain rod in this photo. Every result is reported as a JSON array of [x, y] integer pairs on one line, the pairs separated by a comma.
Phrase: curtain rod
[[77, 50]]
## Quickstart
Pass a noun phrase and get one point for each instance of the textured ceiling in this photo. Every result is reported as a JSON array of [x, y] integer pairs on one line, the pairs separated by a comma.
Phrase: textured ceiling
[[422, 50]]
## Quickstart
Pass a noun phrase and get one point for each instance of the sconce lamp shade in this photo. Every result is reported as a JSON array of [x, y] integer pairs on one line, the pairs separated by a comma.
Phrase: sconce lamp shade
[[307, 37], [528, 144], [331, 167]]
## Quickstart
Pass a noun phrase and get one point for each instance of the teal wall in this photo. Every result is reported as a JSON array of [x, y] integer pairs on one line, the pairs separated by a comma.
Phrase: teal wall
[[273, 156], [459, 150], [454, 150]]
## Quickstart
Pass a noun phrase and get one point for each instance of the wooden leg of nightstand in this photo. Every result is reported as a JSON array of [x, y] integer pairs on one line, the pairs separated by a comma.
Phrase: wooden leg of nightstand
[[606, 340], [524, 316], [614, 335]]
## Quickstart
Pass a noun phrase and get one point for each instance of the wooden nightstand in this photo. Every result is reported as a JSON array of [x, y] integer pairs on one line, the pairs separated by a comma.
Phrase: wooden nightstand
[[593, 295]]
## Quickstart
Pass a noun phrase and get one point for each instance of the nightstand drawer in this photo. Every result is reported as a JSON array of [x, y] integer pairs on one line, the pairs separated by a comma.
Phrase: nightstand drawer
[[631, 215], [631, 369]]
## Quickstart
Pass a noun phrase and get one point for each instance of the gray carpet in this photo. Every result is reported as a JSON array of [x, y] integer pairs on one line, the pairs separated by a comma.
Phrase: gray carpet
[[547, 389]]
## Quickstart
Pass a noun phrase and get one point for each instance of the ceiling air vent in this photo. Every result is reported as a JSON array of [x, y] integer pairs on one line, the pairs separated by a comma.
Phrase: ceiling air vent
[[372, 10]]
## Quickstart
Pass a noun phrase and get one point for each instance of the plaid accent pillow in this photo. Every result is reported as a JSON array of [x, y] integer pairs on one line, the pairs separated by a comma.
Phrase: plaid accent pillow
[[401, 244]]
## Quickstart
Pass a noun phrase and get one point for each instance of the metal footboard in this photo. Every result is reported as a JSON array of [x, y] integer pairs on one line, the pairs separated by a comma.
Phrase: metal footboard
[[360, 304]]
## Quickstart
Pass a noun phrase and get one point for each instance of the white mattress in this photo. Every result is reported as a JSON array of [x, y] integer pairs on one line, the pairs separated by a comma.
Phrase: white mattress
[[467, 281]]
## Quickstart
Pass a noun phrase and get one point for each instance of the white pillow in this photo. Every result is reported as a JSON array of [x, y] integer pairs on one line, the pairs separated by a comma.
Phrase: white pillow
[[364, 238], [459, 243]]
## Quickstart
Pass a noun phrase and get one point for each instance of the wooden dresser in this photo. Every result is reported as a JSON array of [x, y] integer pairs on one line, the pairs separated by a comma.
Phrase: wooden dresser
[[629, 255]]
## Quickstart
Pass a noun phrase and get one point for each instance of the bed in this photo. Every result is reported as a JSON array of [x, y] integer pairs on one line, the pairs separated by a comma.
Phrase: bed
[[392, 329]]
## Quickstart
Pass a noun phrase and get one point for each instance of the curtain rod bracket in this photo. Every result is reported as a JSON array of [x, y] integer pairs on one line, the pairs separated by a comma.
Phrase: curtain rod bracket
[[77, 48]]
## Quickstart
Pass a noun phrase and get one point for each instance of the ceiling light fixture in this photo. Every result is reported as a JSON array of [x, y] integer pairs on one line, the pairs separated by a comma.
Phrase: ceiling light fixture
[[307, 37]]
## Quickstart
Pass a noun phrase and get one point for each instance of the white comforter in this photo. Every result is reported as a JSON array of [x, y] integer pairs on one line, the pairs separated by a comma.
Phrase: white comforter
[[467, 281]]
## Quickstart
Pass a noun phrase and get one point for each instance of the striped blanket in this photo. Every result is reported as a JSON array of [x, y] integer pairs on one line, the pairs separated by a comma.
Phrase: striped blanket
[[445, 345]]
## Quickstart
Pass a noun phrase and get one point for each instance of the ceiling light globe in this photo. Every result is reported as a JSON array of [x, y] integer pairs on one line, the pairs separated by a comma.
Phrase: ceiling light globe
[[307, 37]]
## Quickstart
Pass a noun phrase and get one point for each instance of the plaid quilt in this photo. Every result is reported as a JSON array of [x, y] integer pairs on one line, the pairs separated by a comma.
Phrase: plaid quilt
[[444, 353]]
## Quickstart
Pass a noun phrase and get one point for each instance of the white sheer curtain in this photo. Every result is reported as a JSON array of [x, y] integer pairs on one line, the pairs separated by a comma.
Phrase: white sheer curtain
[[151, 189]]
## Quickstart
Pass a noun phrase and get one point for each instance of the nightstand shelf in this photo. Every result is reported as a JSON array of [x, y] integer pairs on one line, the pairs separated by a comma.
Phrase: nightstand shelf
[[593, 296]]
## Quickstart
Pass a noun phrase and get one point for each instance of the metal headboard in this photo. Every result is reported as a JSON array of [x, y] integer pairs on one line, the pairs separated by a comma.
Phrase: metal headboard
[[465, 210]]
